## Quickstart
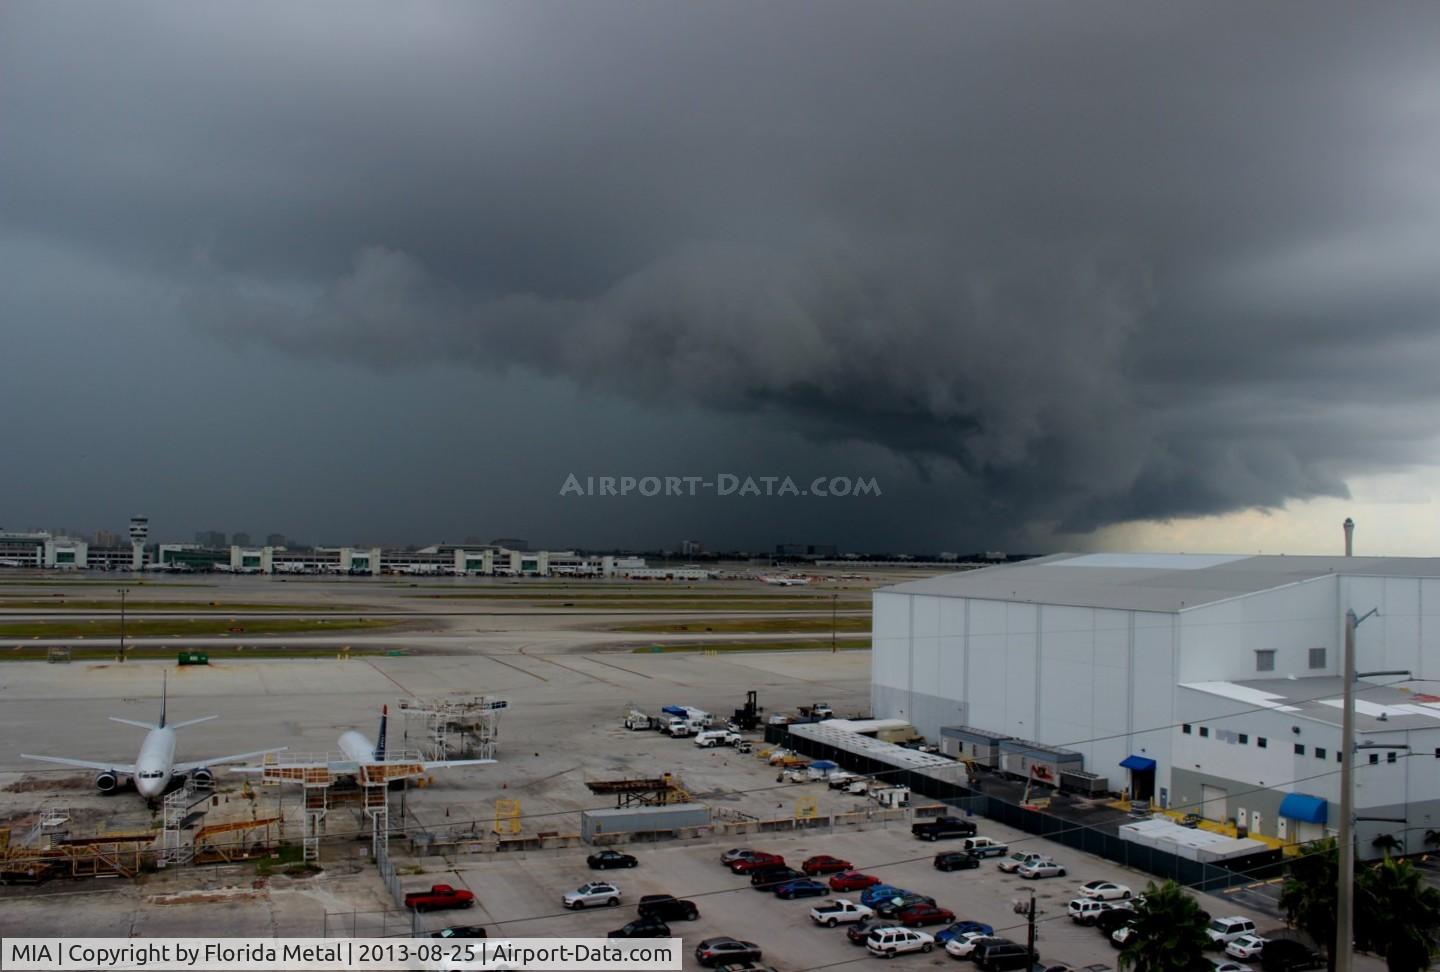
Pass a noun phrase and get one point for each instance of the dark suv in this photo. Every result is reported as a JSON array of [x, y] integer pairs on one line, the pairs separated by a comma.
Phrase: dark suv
[[666, 907], [644, 927], [1004, 955]]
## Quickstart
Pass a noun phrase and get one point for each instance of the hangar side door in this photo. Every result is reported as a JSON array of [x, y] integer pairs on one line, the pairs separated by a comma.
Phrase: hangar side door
[[1212, 802]]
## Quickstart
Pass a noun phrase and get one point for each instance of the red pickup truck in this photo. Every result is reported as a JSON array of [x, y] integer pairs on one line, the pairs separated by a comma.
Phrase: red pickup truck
[[439, 897]]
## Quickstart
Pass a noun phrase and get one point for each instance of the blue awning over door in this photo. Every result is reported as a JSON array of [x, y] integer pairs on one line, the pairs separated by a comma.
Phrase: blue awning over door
[[1140, 763], [1303, 806]]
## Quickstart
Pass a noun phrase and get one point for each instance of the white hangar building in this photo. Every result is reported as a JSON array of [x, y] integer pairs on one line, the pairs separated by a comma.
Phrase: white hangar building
[[1205, 683]]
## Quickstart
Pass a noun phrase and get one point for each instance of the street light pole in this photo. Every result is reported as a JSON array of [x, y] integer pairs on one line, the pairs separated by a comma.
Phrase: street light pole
[[123, 592], [834, 602], [1345, 893]]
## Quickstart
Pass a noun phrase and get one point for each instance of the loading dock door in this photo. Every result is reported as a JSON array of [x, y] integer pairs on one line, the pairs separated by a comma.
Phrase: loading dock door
[[1212, 802]]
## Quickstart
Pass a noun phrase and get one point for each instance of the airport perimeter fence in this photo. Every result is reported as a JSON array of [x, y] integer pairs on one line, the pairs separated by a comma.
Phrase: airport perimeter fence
[[1199, 875], [370, 924]]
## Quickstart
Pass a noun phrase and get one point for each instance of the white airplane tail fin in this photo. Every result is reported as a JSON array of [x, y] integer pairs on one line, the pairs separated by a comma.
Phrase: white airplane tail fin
[[191, 722], [135, 722]]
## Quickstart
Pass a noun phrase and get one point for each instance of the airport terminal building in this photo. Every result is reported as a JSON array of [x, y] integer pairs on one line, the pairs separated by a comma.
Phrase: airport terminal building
[[1204, 683]]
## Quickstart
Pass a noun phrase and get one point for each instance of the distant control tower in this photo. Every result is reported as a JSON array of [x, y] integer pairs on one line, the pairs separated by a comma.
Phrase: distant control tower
[[139, 534]]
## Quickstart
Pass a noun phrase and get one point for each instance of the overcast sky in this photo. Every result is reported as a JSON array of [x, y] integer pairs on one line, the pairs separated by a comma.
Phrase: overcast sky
[[1054, 274]]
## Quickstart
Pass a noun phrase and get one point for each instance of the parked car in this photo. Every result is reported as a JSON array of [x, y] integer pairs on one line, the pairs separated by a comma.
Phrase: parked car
[[1004, 955], [1085, 911], [1225, 930], [944, 935], [825, 864], [713, 951], [1105, 890], [440, 897], [1109, 922], [1230, 965], [771, 878], [1121, 935], [852, 881], [755, 862], [607, 859], [891, 907], [803, 888], [942, 827], [985, 847], [642, 928], [667, 907], [1043, 868], [956, 860], [858, 933], [737, 854], [594, 893], [889, 942], [1246, 946], [839, 911], [460, 931], [1287, 955], [1017, 860], [877, 893], [964, 946], [920, 915]]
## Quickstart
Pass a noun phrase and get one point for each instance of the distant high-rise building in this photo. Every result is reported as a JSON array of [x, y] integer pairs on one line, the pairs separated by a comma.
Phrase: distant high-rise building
[[691, 548], [212, 539], [107, 538], [240, 539], [511, 543], [275, 540]]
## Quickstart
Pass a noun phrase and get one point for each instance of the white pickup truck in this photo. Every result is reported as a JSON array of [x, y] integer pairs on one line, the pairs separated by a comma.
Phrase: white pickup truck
[[717, 737], [838, 911]]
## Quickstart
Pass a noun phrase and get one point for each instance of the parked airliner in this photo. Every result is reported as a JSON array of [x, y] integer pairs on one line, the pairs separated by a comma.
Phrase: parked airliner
[[359, 750], [155, 766]]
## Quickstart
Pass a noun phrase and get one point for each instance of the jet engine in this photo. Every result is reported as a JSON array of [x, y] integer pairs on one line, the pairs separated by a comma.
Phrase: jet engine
[[203, 777], [107, 781]]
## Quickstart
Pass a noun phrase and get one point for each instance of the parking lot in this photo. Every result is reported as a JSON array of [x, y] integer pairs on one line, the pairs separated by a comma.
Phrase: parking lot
[[521, 897]]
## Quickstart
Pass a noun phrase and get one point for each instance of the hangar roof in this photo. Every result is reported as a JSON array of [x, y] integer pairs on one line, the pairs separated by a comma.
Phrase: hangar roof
[[1153, 582], [1379, 706]]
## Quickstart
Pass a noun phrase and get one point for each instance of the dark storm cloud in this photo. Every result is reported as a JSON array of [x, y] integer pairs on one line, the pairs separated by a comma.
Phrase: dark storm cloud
[[1080, 263]]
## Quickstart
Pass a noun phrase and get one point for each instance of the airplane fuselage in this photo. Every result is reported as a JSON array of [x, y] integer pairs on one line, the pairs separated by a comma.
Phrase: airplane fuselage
[[156, 763]]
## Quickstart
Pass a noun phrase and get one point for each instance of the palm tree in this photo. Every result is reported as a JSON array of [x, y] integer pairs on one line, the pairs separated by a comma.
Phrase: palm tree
[[1309, 893], [1169, 933], [1400, 912]]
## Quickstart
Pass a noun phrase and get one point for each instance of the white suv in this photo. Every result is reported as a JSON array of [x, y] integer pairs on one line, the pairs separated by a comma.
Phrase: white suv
[[1222, 931], [889, 942]]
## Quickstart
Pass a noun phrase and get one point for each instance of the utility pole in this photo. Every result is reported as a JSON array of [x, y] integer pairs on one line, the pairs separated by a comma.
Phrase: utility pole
[[1345, 893], [1028, 910], [834, 602], [123, 592]]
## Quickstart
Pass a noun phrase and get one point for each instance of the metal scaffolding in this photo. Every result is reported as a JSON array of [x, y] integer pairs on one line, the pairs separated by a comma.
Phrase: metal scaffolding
[[180, 815], [451, 728], [317, 774]]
